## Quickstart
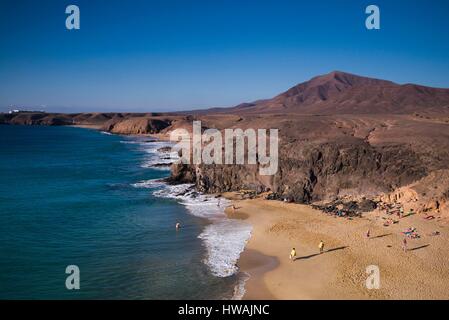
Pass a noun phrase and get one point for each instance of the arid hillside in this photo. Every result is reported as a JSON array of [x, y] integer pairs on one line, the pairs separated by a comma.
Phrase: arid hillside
[[345, 93]]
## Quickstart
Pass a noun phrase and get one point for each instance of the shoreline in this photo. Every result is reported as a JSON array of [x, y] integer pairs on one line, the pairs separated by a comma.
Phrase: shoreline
[[215, 222], [340, 272], [255, 264]]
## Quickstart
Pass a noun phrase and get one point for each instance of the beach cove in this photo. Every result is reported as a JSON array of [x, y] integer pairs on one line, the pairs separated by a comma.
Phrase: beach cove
[[340, 272]]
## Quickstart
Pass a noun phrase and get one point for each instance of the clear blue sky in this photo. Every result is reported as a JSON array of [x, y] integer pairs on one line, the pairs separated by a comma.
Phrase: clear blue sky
[[170, 55]]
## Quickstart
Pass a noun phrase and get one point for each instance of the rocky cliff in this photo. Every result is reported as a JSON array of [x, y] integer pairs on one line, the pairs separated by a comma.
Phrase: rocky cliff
[[336, 157], [319, 172], [341, 135]]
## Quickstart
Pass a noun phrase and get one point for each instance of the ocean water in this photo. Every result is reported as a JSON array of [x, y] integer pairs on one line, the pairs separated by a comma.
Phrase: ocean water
[[71, 196]]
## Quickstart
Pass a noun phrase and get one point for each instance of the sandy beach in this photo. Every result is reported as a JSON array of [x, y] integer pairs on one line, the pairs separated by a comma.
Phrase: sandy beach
[[340, 272]]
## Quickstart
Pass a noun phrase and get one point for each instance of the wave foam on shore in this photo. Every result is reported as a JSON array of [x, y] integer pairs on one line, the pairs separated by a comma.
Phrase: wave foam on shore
[[154, 158], [224, 238]]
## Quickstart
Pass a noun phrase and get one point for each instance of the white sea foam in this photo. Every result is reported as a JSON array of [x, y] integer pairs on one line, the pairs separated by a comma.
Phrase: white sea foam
[[239, 289], [224, 239], [132, 142], [161, 168], [154, 158], [149, 184], [179, 191]]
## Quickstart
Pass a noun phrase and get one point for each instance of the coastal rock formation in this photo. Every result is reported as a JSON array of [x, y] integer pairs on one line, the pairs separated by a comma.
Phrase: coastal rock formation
[[319, 172], [119, 123], [429, 195], [36, 118], [138, 125], [341, 136]]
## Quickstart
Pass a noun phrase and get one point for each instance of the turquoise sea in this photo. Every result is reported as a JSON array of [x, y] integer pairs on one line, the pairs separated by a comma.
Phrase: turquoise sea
[[72, 196]]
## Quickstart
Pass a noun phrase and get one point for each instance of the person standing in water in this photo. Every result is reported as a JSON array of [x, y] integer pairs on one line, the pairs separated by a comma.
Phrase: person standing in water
[[321, 246], [293, 254], [178, 226]]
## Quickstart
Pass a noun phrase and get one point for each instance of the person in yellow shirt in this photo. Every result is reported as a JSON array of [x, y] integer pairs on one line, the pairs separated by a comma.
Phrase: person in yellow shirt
[[293, 254], [321, 246]]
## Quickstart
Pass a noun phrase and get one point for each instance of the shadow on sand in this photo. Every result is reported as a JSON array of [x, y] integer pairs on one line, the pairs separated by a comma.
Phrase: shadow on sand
[[421, 247], [381, 236], [318, 254], [408, 214]]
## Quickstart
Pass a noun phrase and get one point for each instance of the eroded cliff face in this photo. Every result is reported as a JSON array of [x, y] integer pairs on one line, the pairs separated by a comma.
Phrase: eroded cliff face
[[428, 195], [314, 172], [36, 118], [119, 123], [136, 125], [320, 157], [324, 158]]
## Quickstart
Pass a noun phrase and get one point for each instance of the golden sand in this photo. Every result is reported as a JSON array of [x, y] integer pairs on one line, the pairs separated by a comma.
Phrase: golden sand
[[340, 272]]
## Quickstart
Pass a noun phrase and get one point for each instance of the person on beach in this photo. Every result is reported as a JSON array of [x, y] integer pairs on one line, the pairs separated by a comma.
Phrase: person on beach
[[178, 226], [321, 246], [293, 254], [368, 233], [404, 244]]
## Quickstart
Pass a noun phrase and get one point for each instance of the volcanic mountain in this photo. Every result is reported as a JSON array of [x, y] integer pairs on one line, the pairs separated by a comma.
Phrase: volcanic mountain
[[345, 93]]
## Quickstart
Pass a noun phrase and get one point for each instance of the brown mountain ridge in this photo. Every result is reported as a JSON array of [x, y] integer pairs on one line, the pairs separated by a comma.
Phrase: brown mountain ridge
[[344, 93]]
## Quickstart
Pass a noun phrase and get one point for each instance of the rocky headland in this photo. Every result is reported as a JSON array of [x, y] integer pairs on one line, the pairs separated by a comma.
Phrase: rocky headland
[[342, 138]]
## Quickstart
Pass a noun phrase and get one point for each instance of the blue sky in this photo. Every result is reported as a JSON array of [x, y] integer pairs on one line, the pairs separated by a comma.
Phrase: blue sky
[[177, 55]]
